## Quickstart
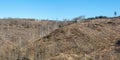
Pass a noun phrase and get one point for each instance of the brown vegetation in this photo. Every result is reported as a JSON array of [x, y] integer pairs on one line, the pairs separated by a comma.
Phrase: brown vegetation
[[96, 39]]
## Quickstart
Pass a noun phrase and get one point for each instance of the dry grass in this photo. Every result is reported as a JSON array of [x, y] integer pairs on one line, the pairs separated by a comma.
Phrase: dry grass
[[91, 40]]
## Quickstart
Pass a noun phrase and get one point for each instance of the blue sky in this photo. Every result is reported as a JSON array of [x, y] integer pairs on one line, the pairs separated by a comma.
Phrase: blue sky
[[57, 9]]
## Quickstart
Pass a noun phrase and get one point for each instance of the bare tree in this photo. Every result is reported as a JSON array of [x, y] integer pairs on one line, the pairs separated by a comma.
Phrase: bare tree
[[78, 19], [19, 49], [115, 13]]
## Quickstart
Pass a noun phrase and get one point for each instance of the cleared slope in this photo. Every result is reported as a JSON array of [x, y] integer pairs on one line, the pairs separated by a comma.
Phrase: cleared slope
[[90, 40]]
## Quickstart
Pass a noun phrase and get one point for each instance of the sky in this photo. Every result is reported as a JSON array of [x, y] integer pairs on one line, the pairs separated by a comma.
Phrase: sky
[[58, 9]]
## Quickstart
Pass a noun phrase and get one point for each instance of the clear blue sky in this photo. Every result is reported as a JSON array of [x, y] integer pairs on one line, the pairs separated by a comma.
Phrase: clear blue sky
[[57, 9]]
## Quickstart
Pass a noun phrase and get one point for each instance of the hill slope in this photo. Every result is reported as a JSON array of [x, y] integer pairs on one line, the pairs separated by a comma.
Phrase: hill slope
[[91, 40], [97, 39], [17, 34]]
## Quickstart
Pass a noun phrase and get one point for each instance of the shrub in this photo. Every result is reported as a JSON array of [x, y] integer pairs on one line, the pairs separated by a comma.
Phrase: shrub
[[99, 17]]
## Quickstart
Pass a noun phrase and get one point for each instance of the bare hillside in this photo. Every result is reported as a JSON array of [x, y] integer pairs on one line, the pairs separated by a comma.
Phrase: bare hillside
[[98, 39]]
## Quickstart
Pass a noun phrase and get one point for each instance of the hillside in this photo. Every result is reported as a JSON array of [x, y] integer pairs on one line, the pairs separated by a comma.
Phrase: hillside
[[97, 39], [17, 34]]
